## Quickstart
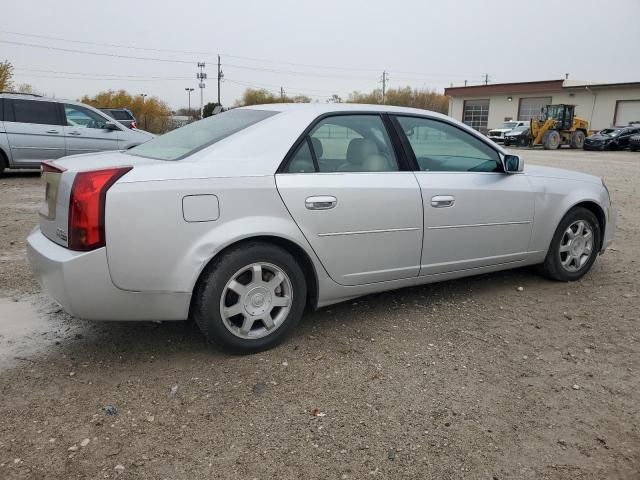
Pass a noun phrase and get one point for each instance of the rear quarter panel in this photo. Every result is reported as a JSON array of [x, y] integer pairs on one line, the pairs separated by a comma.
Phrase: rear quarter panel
[[150, 247]]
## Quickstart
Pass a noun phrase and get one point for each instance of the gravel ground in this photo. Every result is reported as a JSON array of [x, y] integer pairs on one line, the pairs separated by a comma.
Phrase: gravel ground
[[464, 379]]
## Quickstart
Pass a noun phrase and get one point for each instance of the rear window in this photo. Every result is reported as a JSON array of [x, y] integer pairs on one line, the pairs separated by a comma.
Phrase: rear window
[[35, 111], [191, 138], [121, 115]]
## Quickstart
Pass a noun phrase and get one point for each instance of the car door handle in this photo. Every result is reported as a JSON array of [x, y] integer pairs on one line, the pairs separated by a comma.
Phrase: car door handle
[[321, 202], [441, 201], [53, 131], [75, 133]]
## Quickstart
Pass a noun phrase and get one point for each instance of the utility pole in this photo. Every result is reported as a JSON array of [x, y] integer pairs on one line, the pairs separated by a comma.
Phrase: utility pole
[[201, 76], [385, 79], [465, 83], [220, 77], [189, 90], [282, 94], [145, 113], [486, 79]]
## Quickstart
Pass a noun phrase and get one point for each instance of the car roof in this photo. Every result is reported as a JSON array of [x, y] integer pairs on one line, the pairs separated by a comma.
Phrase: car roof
[[320, 108], [36, 97]]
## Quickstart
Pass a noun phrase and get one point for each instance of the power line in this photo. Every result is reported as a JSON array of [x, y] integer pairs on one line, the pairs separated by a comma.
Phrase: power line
[[86, 52], [195, 52], [100, 78], [293, 90], [101, 74], [272, 85], [99, 44], [292, 72]]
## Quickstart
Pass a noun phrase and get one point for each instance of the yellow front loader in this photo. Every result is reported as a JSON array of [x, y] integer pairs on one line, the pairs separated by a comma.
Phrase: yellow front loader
[[558, 126]]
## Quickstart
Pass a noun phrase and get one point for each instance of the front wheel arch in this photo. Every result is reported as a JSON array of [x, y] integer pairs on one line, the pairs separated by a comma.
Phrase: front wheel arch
[[595, 209]]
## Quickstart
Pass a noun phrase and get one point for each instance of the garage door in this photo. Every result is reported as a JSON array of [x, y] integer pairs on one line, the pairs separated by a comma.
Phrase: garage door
[[530, 107], [627, 112]]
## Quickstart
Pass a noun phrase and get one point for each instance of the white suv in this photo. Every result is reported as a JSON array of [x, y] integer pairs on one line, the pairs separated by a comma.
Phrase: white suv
[[34, 129], [497, 134]]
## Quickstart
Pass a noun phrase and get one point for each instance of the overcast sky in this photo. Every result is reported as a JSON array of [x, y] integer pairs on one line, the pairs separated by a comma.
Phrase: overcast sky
[[289, 43]]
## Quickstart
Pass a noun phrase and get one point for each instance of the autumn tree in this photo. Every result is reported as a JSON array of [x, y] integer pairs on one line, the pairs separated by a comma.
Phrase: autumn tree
[[151, 113], [6, 76], [208, 108], [253, 96], [372, 98], [405, 97]]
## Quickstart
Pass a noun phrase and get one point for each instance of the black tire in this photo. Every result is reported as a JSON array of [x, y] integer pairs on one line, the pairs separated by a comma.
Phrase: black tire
[[551, 140], [577, 139], [506, 143], [206, 304], [552, 267], [3, 162]]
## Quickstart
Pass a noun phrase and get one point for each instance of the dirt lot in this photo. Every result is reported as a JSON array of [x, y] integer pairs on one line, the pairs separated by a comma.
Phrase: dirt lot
[[464, 379]]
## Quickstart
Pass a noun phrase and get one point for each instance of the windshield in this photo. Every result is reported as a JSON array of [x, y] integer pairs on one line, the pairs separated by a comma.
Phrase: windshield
[[611, 132], [509, 124], [191, 138], [521, 128]]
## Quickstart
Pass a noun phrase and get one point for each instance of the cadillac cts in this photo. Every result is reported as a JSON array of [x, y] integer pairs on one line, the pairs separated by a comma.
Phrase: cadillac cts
[[243, 219]]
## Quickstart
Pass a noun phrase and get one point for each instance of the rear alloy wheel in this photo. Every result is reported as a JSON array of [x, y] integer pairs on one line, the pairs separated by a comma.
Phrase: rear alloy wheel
[[251, 298], [577, 139], [551, 140], [574, 247]]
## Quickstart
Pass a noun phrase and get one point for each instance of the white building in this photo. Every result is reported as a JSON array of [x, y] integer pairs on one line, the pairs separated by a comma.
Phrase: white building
[[487, 106]]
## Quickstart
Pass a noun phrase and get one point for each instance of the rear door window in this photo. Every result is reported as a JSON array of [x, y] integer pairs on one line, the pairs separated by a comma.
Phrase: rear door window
[[353, 143], [35, 111]]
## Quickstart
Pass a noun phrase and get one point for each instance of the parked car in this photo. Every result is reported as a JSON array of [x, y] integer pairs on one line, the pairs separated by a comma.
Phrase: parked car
[[634, 142], [34, 129], [122, 115], [616, 138], [497, 134], [519, 136], [242, 220]]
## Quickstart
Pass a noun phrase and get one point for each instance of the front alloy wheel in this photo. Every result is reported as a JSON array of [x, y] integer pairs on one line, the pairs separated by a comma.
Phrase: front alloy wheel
[[574, 246]]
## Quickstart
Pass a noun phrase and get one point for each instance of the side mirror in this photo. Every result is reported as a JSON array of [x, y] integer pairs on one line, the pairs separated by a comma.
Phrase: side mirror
[[110, 126], [513, 164]]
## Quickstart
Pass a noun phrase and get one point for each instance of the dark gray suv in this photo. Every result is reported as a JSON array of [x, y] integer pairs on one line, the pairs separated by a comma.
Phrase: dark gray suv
[[123, 115], [35, 128]]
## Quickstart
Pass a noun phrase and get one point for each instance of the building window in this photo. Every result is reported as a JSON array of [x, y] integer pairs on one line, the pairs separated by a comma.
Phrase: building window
[[475, 113], [530, 107]]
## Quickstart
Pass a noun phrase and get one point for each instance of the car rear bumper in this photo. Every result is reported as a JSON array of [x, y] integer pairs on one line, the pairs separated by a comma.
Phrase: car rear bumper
[[81, 284], [610, 228]]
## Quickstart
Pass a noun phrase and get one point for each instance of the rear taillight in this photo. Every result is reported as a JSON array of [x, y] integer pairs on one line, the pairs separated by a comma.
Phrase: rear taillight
[[86, 207], [134, 125]]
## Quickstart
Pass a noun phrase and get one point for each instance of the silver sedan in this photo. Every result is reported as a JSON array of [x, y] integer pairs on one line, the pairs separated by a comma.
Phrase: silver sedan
[[243, 219]]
